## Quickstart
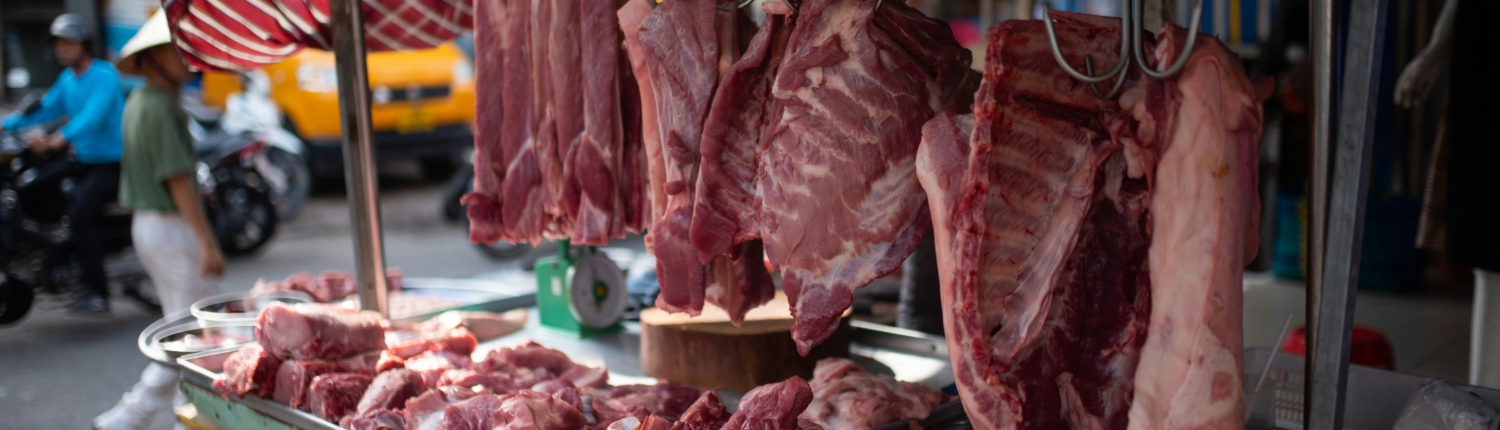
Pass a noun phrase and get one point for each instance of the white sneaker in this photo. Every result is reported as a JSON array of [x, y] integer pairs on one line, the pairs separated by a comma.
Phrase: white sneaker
[[122, 417]]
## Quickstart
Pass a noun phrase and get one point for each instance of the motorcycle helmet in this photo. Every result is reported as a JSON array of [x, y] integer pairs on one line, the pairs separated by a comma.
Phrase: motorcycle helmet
[[71, 27]]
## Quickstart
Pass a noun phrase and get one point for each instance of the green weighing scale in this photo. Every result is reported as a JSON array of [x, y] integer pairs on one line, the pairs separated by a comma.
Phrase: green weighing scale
[[579, 292]]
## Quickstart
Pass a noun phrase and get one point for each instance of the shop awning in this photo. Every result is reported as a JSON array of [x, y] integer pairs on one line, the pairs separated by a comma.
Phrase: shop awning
[[240, 35]]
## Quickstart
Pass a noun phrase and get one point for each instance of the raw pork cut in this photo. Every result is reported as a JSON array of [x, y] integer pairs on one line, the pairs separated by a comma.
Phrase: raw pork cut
[[433, 364], [530, 363], [596, 166], [391, 389], [774, 406], [477, 413], [839, 208], [633, 423], [335, 395], [410, 343], [531, 410], [1057, 221], [379, 419], [293, 377], [847, 397], [707, 413], [308, 331], [425, 412], [664, 399], [251, 370], [681, 49]]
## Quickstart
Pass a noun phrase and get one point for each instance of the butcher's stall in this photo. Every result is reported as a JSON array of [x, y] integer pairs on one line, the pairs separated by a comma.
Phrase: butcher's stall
[[1077, 203]]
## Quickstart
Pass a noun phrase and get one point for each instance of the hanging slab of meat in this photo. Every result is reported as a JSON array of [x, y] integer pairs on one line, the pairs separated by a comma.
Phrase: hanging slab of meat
[[1054, 231], [774, 406], [630, 16], [251, 370], [293, 377], [309, 331], [681, 51], [847, 397], [336, 395], [1204, 219], [596, 167], [503, 124], [839, 208]]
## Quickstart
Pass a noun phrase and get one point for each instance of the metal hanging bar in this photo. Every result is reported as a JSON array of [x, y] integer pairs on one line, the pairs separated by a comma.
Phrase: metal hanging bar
[[359, 153], [1322, 17], [1328, 377]]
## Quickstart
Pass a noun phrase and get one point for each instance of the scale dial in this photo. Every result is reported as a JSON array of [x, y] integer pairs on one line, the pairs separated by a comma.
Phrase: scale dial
[[596, 291]]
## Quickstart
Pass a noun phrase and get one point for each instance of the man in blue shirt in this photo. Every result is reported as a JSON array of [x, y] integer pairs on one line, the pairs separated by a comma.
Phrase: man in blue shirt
[[90, 95]]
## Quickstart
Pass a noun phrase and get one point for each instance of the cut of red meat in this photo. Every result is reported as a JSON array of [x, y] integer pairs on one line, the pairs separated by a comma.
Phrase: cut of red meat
[[470, 378], [425, 412], [530, 363], [335, 395], [630, 16], [388, 361], [379, 419], [1060, 232], [477, 413], [293, 377], [409, 343], [664, 399], [597, 167], [839, 208], [584, 376], [680, 48], [317, 331], [531, 410], [332, 286], [391, 389], [646, 423], [707, 413], [499, 36], [251, 370], [847, 397], [772, 406], [433, 364]]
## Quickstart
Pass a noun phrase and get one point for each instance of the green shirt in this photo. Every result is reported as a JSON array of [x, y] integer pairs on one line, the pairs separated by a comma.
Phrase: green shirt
[[157, 147]]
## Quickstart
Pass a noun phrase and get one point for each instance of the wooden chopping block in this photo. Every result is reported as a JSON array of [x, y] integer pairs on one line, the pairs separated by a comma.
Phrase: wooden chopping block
[[708, 351]]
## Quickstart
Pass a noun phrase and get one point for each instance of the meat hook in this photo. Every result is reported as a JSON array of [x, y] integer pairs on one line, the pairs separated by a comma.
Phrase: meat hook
[[740, 6], [1130, 48]]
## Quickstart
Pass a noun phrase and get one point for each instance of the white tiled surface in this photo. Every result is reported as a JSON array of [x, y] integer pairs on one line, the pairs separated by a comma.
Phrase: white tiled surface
[[1430, 334]]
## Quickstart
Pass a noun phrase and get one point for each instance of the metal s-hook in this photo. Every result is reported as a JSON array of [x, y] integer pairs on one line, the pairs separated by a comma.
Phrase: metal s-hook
[[1187, 49], [740, 6], [1119, 67]]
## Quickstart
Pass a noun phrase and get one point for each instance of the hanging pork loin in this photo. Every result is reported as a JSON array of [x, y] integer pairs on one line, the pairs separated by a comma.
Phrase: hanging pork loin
[[1094, 248]]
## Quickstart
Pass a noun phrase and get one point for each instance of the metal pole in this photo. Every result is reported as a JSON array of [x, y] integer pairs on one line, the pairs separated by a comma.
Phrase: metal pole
[[359, 153], [1321, 39], [1330, 352]]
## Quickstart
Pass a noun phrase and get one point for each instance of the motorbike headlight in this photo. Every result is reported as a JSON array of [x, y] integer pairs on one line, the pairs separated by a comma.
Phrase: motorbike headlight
[[463, 71], [322, 78]]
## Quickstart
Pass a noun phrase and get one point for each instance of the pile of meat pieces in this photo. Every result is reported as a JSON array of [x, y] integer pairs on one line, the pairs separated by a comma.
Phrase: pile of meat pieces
[[343, 366], [795, 141], [330, 286], [1094, 248]]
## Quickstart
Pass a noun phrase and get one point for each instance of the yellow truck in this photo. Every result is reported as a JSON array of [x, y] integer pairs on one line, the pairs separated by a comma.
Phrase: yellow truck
[[422, 105]]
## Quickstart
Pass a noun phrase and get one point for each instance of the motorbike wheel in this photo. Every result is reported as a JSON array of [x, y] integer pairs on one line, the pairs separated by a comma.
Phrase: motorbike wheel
[[15, 300], [298, 186], [244, 218], [503, 250]]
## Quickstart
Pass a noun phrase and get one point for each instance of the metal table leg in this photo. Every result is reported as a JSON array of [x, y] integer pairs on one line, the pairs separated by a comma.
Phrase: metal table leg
[[359, 153], [1329, 368]]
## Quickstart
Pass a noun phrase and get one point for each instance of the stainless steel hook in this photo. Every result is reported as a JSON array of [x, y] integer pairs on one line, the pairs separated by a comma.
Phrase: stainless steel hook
[[1130, 49]]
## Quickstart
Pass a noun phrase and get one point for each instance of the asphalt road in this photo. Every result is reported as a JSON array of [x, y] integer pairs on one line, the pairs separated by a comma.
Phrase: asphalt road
[[58, 371]]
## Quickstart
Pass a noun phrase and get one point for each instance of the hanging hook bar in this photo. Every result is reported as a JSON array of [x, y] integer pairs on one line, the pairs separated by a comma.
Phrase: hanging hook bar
[[1119, 67], [1088, 64], [1187, 49]]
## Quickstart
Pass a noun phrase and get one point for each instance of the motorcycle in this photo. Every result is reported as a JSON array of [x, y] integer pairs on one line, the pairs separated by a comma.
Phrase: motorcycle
[[252, 111], [455, 211], [234, 176], [36, 247]]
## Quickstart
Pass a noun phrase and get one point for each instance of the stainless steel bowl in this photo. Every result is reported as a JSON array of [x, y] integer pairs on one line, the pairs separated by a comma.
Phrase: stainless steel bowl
[[241, 308], [192, 338]]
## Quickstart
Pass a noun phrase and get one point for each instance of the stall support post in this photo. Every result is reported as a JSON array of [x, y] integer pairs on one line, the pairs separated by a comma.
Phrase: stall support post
[[1329, 363], [1322, 15], [359, 153]]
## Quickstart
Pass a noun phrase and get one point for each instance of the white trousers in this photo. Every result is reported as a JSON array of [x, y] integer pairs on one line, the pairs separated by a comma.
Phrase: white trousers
[[1484, 343], [168, 247]]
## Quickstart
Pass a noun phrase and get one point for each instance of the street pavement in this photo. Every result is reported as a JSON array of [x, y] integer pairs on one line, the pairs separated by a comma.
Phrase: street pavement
[[57, 371]]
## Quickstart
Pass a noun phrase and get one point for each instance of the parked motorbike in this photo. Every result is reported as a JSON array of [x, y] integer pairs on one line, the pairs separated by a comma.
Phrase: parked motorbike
[[251, 111], [37, 252], [234, 174], [455, 211]]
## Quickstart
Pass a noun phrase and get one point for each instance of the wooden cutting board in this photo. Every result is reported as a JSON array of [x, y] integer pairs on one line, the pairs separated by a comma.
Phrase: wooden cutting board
[[708, 351]]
